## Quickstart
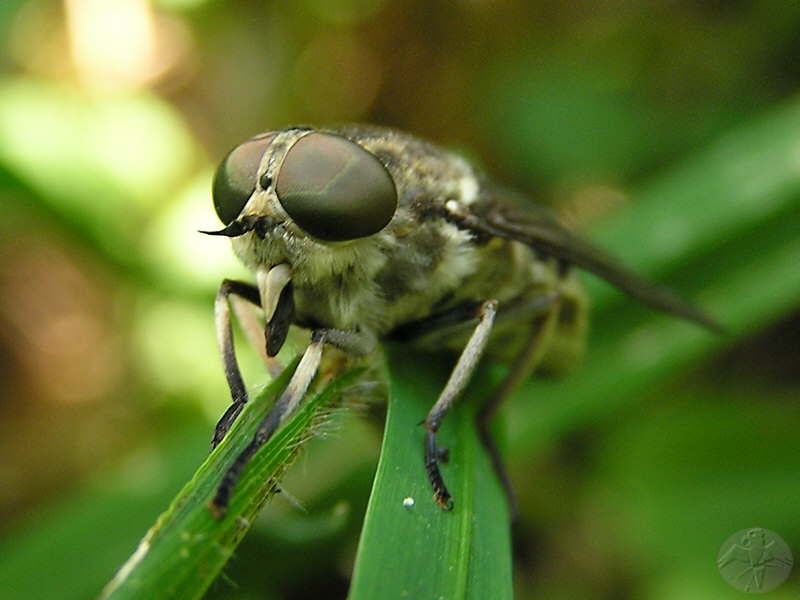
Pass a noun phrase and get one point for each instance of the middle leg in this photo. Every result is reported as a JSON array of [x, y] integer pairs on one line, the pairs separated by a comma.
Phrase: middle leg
[[455, 384]]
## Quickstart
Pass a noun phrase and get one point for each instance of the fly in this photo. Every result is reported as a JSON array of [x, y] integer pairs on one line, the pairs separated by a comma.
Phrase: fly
[[363, 234]]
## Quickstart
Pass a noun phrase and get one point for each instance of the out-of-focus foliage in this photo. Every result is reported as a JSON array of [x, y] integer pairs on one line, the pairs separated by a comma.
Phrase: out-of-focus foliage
[[626, 116]]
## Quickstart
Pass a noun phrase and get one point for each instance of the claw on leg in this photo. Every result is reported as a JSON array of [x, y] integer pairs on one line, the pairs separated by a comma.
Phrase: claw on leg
[[222, 318], [284, 407], [458, 380]]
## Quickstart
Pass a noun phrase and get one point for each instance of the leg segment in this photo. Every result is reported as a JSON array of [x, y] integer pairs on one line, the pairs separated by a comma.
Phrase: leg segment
[[458, 380], [287, 404], [233, 375], [520, 370], [274, 296], [284, 406]]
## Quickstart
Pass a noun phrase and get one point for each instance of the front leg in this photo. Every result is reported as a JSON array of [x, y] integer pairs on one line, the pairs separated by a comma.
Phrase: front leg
[[275, 297], [350, 341], [222, 318]]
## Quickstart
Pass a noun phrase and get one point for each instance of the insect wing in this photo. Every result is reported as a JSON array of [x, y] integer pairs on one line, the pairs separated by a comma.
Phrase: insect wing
[[499, 214]]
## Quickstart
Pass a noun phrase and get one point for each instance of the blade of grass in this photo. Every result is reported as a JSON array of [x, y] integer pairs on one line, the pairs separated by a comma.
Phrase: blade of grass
[[114, 510], [409, 547], [185, 550]]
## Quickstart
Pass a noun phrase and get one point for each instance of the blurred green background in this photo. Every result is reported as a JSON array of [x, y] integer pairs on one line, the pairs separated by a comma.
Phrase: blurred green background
[[670, 131]]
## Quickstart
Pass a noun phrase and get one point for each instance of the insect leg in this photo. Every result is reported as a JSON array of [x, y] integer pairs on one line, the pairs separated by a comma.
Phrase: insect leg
[[233, 375], [274, 295], [284, 406], [287, 403], [458, 380], [451, 320], [520, 370]]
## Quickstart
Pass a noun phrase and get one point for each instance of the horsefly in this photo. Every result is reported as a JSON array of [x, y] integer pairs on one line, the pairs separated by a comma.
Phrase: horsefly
[[362, 234]]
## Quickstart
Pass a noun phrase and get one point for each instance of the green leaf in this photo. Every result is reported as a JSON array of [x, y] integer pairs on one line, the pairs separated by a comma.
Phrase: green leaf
[[410, 547], [184, 552]]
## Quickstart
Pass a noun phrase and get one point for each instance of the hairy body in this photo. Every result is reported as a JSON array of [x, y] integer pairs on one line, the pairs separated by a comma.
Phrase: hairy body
[[363, 233], [421, 263]]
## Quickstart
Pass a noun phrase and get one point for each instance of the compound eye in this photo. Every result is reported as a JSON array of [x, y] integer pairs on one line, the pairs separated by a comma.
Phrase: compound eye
[[335, 190], [235, 179]]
